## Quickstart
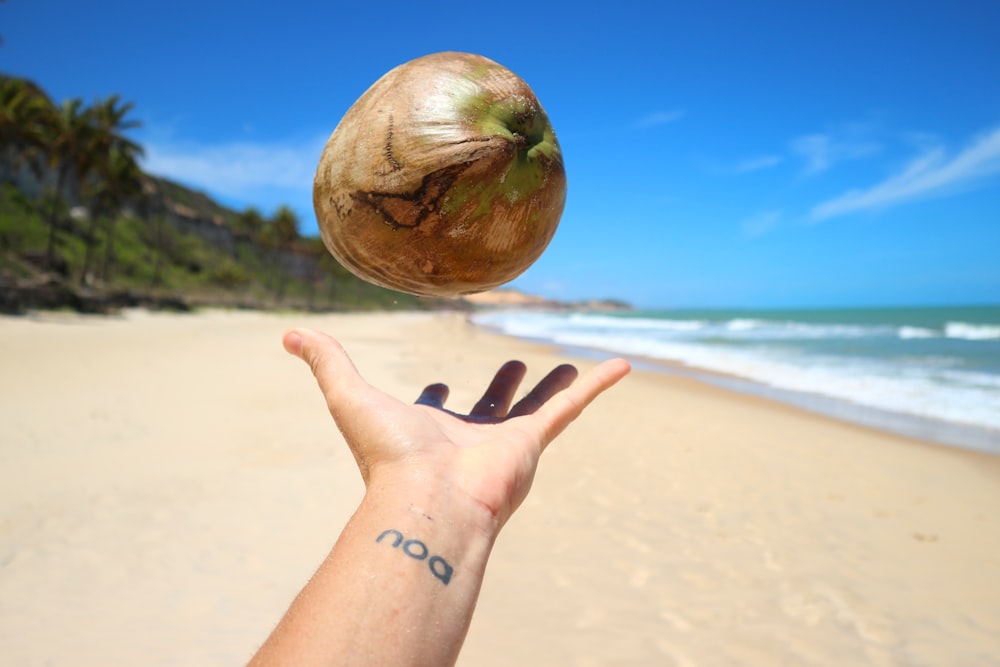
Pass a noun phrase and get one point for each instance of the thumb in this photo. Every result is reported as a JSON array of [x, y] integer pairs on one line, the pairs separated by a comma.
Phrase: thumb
[[336, 374]]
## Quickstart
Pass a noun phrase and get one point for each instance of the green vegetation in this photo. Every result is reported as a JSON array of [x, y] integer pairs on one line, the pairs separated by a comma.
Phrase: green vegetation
[[82, 226]]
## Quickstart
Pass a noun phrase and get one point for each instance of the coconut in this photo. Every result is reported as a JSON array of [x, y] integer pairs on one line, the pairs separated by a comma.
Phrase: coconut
[[444, 178]]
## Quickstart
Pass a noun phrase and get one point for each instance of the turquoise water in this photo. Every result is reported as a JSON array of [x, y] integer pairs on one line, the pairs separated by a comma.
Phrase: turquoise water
[[934, 370]]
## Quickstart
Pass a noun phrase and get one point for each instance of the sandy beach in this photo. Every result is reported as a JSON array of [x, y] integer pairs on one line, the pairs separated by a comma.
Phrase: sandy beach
[[169, 482]]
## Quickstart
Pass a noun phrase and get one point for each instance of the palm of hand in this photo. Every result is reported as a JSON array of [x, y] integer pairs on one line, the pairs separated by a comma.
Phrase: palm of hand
[[490, 454]]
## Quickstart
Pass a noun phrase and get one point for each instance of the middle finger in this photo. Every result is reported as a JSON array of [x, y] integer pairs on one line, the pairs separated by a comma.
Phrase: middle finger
[[496, 401]]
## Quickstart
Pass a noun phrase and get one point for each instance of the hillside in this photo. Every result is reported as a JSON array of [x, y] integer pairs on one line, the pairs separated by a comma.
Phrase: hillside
[[76, 234], [174, 255]]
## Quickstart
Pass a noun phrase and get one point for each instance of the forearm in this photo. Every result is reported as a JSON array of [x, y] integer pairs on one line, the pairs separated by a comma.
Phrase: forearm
[[398, 588]]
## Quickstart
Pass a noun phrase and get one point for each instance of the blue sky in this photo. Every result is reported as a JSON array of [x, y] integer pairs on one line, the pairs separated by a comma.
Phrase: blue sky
[[722, 154]]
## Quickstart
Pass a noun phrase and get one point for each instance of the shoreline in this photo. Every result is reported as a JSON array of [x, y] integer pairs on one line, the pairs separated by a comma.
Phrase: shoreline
[[969, 437], [175, 479]]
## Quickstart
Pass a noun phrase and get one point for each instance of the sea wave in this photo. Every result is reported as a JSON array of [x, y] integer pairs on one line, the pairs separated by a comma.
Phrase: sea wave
[[968, 331], [909, 333], [932, 380], [546, 321], [546, 324], [754, 329]]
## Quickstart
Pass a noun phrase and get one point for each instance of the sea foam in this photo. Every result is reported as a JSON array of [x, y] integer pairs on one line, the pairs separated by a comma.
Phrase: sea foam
[[948, 372]]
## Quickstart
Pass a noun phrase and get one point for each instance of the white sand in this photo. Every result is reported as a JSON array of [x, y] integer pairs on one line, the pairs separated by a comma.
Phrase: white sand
[[168, 482]]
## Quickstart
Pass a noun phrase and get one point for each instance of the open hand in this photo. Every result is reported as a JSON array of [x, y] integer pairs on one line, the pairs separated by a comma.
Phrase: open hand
[[487, 457]]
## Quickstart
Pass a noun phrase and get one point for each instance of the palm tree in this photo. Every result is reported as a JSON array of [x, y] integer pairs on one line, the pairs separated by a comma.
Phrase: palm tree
[[108, 118], [250, 222], [283, 228], [280, 235], [116, 173], [67, 134], [316, 271], [161, 237], [24, 111], [247, 228], [120, 181]]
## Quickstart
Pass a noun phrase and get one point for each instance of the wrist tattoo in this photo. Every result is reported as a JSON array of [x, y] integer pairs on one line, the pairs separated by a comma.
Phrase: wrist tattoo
[[417, 550]]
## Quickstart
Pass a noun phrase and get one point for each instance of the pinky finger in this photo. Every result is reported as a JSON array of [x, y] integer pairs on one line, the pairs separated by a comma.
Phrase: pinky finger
[[434, 395]]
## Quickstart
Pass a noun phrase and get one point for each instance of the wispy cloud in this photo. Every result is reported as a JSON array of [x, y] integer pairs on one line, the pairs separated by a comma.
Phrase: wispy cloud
[[760, 223], [822, 151], [758, 163], [658, 118], [930, 174], [819, 150], [237, 169]]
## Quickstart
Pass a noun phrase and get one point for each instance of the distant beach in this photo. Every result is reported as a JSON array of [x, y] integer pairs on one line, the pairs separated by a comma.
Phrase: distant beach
[[169, 481]]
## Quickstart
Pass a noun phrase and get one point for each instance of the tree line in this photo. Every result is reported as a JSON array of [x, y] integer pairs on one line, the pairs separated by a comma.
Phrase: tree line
[[92, 176], [85, 147]]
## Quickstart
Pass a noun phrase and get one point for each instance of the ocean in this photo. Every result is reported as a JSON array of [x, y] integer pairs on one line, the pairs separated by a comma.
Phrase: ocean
[[932, 373]]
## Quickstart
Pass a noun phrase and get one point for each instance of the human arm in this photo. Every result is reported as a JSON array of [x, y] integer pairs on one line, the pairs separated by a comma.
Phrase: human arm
[[400, 584]]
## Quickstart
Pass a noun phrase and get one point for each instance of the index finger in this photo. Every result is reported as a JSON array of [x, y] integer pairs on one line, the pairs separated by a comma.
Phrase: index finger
[[561, 409]]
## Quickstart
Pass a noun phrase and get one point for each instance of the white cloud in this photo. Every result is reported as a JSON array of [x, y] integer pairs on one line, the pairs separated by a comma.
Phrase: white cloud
[[822, 151], [238, 169], [760, 224], [659, 118], [758, 163], [932, 173]]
